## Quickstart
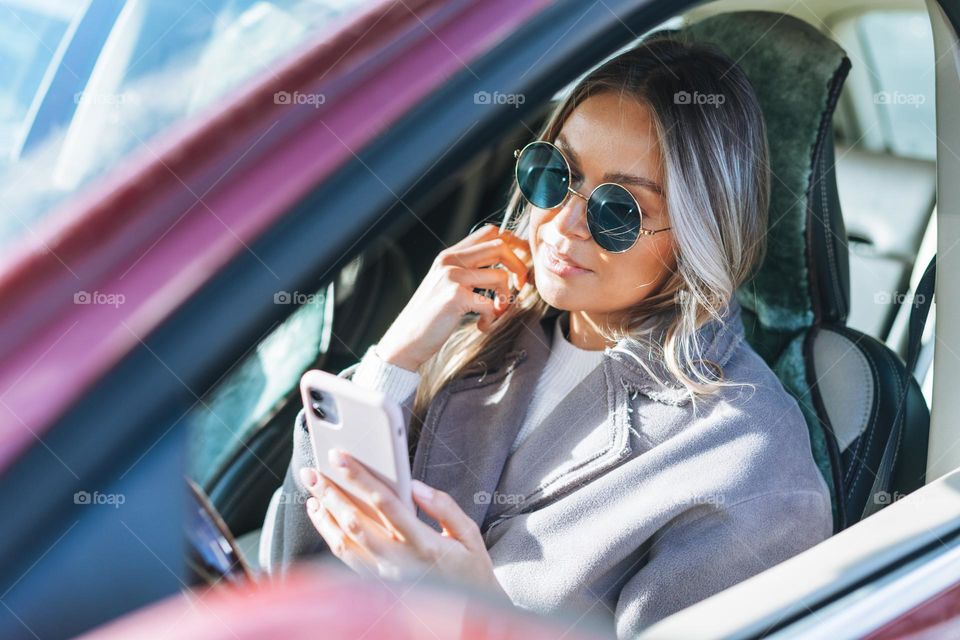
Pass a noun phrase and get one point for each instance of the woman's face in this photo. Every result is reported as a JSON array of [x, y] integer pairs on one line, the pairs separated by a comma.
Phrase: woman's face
[[605, 139]]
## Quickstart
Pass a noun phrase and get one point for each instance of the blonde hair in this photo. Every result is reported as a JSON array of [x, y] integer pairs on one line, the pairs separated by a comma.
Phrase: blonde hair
[[716, 185]]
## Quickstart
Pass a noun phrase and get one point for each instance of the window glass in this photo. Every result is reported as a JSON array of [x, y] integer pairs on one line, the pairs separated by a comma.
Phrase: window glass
[[899, 49], [251, 391], [29, 40], [106, 77]]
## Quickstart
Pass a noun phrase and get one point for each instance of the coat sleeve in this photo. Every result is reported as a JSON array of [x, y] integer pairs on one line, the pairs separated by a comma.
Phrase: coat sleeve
[[693, 559], [287, 532]]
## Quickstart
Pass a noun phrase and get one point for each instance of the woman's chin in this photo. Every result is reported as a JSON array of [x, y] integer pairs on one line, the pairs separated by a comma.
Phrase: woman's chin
[[559, 295]]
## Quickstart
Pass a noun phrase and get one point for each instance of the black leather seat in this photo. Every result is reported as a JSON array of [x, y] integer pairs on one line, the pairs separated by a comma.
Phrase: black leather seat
[[848, 384]]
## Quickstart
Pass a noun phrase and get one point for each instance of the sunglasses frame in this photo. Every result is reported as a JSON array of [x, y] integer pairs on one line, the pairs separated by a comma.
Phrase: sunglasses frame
[[516, 175]]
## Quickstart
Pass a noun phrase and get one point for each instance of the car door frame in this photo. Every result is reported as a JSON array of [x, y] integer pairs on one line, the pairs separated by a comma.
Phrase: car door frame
[[132, 410]]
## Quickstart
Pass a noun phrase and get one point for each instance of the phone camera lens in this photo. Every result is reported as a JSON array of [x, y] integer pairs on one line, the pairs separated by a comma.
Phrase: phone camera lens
[[318, 410], [316, 395]]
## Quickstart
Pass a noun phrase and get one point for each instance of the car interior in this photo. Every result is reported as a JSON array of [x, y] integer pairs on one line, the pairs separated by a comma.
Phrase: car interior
[[851, 230]]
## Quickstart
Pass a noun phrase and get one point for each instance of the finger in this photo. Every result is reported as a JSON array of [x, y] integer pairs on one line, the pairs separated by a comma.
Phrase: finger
[[358, 526], [318, 490], [514, 240], [518, 245], [488, 254], [358, 479], [483, 233], [316, 483], [493, 251], [489, 231], [392, 557], [440, 506], [311, 480], [483, 306], [337, 541], [496, 279], [488, 278], [516, 265]]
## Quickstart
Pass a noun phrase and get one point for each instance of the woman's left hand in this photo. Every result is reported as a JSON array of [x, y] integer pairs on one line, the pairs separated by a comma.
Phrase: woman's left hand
[[395, 544]]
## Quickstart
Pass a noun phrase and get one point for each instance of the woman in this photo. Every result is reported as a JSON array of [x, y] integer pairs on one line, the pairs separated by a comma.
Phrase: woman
[[604, 438]]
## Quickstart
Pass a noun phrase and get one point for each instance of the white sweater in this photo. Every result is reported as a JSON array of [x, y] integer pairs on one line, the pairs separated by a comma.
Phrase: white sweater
[[564, 369]]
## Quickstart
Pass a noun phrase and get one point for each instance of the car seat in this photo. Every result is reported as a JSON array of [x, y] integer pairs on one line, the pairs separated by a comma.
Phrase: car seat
[[848, 384]]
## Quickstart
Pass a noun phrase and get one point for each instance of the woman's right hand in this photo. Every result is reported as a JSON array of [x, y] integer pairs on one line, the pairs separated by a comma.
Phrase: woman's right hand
[[447, 293]]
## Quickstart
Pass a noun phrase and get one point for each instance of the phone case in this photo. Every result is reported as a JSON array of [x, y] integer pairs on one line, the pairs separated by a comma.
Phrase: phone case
[[363, 422]]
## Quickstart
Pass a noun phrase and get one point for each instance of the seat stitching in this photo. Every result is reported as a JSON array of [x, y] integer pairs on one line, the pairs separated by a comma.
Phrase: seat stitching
[[830, 257], [863, 462], [860, 440], [903, 416], [863, 441]]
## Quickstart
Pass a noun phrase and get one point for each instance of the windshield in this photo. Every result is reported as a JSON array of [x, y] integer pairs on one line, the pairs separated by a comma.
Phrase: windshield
[[85, 82]]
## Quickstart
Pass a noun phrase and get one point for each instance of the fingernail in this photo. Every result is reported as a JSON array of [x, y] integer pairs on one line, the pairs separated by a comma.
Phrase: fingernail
[[422, 491], [308, 476], [338, 458]]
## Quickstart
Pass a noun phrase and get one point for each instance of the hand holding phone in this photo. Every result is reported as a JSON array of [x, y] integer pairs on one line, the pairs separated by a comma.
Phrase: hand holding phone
[[363, 422]]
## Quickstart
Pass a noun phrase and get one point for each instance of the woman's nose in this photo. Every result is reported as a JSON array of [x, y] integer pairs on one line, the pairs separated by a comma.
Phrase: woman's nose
[[571, 218]]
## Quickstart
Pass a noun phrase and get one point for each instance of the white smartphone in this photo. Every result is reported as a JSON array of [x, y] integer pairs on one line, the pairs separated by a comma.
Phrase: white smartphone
[[363, 422]]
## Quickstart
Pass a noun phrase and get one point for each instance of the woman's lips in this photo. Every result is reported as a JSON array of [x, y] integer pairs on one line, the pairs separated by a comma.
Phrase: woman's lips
[[559, 264]]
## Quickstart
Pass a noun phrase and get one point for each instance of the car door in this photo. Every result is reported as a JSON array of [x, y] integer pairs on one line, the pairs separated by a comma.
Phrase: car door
[[144, 280]]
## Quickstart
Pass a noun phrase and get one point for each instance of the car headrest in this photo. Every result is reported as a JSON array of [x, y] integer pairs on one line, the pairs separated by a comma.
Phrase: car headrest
[[797, 74]]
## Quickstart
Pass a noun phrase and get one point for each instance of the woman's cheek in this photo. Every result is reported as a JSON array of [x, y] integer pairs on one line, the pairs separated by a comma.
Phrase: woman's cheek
[[536, 219], [666, 253], [533, 237]]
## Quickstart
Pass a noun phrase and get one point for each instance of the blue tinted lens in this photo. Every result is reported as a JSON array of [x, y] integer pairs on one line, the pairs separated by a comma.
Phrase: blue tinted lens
[[613, 218], [542, 175]]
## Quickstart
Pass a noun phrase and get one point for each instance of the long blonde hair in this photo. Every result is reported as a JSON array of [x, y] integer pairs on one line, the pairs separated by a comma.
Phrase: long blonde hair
[[716, 184]]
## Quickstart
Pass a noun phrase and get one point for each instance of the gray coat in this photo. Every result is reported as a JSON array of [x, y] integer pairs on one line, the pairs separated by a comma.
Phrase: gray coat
[[622, 502]]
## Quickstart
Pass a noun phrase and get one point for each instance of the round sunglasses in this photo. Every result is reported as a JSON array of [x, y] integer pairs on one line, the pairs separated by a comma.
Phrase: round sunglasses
[[614, 216]]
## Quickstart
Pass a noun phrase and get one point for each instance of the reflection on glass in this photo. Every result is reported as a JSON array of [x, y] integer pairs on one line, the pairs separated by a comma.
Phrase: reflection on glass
[[91, 81]]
